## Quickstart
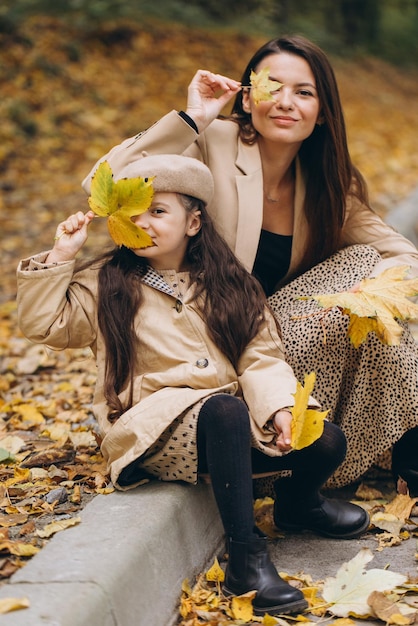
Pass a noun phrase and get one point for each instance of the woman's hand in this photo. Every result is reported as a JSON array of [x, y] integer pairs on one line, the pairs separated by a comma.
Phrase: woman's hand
[[207, 95], [281, 423], [70, 236]]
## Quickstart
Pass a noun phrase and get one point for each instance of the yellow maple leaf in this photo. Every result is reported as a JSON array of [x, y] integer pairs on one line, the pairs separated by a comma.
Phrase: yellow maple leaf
[[376, 305], [307, 424], [262, 86], [119, 202]]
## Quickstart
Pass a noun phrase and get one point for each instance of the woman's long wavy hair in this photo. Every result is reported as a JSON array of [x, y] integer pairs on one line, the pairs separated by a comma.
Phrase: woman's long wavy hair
[[326, 164], [231, 301]]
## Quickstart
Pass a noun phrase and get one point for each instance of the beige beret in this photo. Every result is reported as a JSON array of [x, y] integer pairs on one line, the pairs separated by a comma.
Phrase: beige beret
[[174, 173]]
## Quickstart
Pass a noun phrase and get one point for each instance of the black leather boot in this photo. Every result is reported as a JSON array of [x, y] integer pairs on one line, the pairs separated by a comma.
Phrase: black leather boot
[[405, 461], [337, 519], [410, 479], [250, 568]]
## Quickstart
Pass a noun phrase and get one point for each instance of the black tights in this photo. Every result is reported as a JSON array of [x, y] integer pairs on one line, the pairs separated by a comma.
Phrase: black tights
[[225, 452]]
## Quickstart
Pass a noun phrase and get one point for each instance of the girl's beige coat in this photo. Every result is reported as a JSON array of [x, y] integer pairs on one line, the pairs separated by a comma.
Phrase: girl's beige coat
[[178, 364]]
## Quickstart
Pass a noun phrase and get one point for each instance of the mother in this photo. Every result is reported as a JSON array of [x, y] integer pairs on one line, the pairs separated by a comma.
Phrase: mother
[[295, 211]]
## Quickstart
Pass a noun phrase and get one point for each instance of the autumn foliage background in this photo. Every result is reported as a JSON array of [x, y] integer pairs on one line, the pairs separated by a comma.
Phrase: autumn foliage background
[[68, 96]]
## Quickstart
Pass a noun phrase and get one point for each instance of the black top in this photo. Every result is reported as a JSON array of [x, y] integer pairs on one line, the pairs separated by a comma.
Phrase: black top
[[272, 260]]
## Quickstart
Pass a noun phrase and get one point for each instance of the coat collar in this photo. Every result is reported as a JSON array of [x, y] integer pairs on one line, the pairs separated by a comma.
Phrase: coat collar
[[250, 201], [153, 279]]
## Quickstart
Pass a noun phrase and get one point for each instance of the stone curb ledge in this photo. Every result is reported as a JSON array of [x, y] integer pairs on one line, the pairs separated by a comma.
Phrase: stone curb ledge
[[124, 564]]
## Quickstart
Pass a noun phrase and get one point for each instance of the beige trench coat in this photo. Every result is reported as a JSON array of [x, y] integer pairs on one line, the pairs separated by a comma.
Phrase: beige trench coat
[[178, 363], [237, 206]]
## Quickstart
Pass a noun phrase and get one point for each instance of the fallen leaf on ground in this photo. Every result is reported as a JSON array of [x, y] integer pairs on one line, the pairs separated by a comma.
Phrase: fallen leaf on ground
[[54, 527], [13, 604], [401, 506], [388, 522], [390, 611], [347, 593]]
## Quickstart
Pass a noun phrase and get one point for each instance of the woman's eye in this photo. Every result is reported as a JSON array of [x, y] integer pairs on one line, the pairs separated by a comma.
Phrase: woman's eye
[[157, 211], [305, 92]]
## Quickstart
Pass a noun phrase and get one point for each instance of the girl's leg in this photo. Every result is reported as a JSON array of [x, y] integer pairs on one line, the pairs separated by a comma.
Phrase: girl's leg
[[224, 450]]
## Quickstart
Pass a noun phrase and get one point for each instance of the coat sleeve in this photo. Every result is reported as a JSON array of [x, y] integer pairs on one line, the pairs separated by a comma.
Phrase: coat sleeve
[[267, 381], [55, 307], [170, 135], [364, 226]]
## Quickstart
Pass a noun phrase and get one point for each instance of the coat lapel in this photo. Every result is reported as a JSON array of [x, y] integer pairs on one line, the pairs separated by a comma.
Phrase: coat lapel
[[250, 202], [300, 226]]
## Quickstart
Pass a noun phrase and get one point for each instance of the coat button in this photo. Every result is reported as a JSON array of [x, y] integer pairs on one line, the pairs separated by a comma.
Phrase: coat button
[[179, 306], [201, 363]]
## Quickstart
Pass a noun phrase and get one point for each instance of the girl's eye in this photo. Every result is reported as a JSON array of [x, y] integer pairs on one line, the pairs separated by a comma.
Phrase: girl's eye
[[305, 92], [157, 211]]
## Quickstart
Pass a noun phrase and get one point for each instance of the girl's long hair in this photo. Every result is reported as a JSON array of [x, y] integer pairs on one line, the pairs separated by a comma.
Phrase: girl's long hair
[[231, 302], [326, 164]]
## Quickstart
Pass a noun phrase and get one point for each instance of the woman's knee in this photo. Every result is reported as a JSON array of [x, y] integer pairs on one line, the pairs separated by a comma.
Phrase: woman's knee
[[332, 443]]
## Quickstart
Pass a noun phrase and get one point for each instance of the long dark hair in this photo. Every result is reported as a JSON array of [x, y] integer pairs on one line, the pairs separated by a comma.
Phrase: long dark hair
[[326, 164], [231, 301]]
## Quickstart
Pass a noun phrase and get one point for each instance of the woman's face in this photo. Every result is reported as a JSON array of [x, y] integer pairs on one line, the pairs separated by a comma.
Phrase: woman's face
[[295, 109]]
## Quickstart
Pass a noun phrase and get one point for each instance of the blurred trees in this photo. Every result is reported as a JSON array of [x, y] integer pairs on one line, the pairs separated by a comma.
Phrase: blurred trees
[[386, 28]]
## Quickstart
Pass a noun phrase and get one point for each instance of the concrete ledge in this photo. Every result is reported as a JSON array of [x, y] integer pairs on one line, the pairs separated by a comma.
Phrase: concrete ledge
[[124, 564]]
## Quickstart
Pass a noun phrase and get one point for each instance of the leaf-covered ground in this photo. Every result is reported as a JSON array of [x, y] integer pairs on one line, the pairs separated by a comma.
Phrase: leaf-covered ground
[[67, 97]]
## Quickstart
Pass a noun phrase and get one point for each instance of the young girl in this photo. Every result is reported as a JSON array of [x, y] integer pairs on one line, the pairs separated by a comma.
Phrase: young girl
[[191, 377]]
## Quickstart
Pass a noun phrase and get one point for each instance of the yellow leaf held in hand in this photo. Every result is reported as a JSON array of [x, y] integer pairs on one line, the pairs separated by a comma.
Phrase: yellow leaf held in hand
[[376, 305], [262, 86], [119, 202], [307, 424]]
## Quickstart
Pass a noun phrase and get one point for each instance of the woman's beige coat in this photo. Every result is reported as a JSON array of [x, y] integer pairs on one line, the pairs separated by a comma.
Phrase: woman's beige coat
[[178, 363], [237, 206]]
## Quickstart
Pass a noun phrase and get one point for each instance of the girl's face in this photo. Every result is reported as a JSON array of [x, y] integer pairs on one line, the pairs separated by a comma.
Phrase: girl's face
[[291, 117], [170, 226]]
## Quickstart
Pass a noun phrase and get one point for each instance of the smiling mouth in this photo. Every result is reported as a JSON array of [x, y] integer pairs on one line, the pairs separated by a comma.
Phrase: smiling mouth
[[283, 118]]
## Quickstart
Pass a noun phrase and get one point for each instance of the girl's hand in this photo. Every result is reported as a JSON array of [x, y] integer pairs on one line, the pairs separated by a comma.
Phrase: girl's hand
[[207, 95], [281, 422], [70, 237]]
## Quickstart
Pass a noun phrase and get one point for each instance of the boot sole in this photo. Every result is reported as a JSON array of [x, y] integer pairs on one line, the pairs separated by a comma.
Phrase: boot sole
[[349, 535], [284, 609], [278, 609]]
